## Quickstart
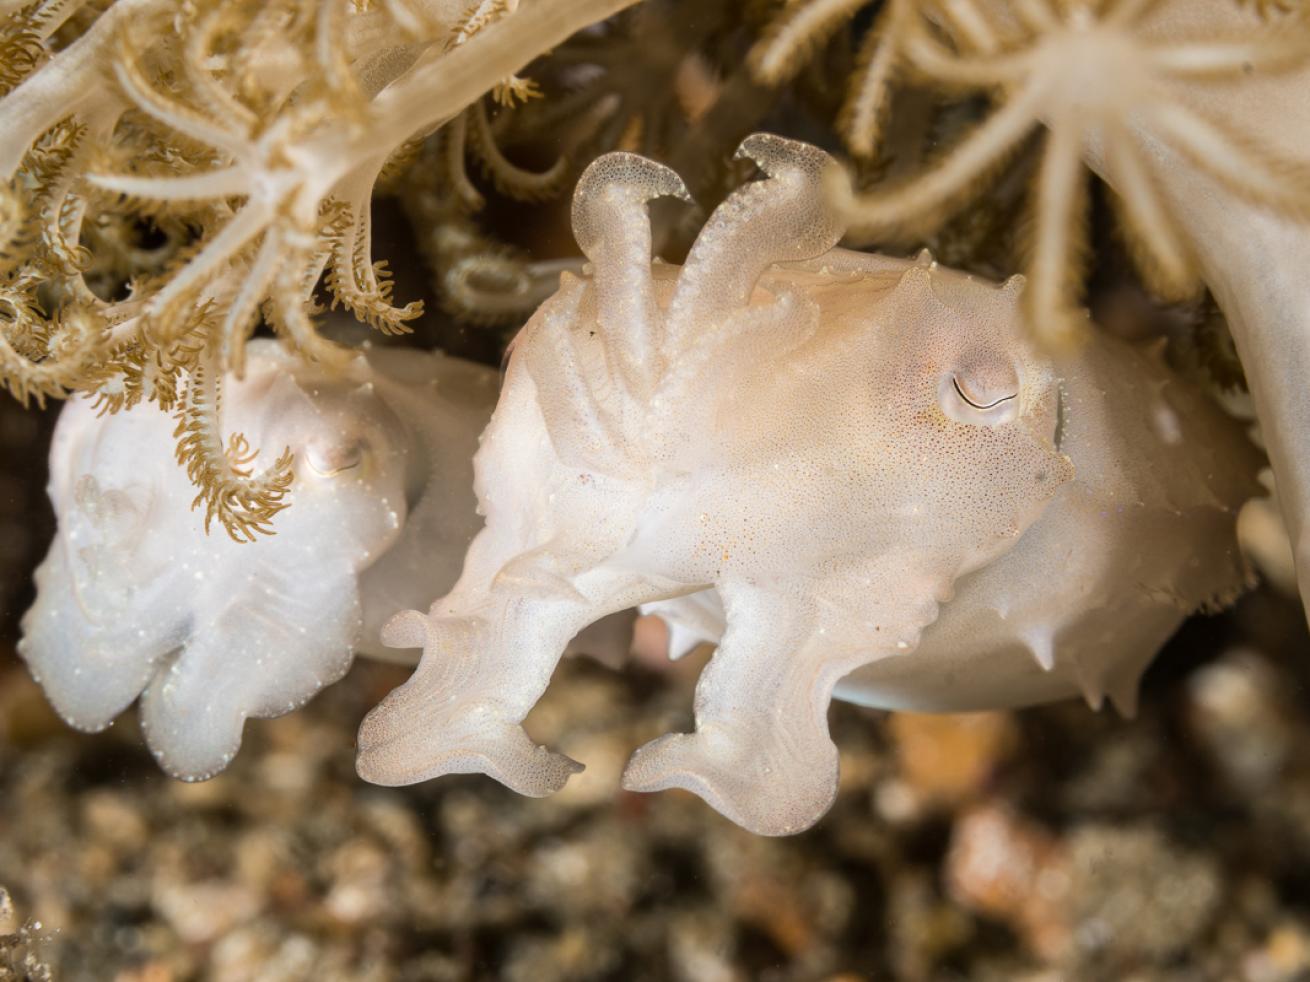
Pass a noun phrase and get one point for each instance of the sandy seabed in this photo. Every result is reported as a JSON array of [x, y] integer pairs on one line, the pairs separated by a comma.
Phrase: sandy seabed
[[1049, 844]]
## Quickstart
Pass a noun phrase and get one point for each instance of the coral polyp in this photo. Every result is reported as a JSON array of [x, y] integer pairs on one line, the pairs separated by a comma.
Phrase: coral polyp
[[1095, 77], [262, 130]]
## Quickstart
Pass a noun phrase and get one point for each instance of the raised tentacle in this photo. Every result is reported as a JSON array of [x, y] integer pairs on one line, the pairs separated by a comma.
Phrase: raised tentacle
[[783, 218], [612, 226], [574, 380]]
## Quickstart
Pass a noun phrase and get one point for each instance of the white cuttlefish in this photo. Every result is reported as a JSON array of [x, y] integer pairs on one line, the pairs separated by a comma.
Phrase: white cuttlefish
[[855, 473], [134, 598]]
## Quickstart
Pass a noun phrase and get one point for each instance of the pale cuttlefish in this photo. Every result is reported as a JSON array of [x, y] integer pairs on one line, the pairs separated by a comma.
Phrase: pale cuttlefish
[[135, 598], [855, 473]]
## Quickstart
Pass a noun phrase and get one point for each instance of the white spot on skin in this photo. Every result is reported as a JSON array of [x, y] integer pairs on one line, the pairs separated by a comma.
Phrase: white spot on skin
[[1167, 425]]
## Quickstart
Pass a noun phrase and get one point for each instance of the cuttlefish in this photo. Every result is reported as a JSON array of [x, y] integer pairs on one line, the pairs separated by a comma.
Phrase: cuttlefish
[[856, 474], [137, 598]]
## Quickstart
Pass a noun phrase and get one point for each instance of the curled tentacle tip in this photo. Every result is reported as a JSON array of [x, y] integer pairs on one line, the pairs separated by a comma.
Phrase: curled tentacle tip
[[407, 629], [610, 200], [634, 172], [776, 156], [768, 149]]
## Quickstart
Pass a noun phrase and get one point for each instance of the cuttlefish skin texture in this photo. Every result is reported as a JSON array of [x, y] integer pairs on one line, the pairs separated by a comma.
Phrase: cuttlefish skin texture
[[829, 447], [1142, 536], [135, 599]]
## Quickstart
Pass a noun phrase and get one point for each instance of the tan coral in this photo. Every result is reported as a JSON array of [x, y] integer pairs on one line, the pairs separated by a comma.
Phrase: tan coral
[[267, 127], [802, 26], [1089, 76]]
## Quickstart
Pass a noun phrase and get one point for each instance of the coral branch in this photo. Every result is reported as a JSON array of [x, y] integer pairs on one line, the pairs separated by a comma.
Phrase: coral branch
[[243, 502], [66, 85]]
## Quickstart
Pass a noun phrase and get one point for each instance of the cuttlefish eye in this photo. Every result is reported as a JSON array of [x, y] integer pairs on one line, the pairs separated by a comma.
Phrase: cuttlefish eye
[[980, 394], [329, 458]]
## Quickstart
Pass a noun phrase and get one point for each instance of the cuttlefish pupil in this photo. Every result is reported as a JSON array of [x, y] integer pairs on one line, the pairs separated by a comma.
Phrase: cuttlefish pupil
[[973, 401]]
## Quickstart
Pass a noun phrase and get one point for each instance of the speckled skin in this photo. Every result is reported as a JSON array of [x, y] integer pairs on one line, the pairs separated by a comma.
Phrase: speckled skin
[[135, 599], [831, 446], [1143, 535]]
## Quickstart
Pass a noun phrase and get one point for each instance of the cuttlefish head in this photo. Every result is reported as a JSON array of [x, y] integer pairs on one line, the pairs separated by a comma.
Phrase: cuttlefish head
[[937, 436], [350, 452], [970, 415]]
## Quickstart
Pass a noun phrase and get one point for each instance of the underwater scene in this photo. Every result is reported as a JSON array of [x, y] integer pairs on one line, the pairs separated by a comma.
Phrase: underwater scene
[[679, 490]]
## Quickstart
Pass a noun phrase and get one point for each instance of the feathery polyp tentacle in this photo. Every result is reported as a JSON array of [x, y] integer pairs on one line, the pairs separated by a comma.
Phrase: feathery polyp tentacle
[[523, 185], [244, 502], [1157, 244], [223, 182], [869, 94], [66, 86], [79, 354], [612, 227], [781, 219], [238, 320], [940, 189], [1059, 238], [796, 33], [172, 112], [966, 70], [244, 226]]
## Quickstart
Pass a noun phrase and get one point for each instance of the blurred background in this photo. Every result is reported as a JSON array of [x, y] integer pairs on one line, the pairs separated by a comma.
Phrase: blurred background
[[1052, 843], [1055, 843]]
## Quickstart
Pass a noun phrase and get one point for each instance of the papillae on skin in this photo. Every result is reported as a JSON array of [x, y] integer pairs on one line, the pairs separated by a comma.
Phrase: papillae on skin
[[866, 461]]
